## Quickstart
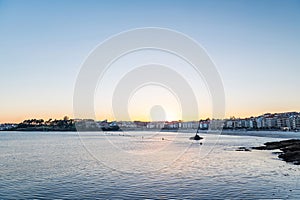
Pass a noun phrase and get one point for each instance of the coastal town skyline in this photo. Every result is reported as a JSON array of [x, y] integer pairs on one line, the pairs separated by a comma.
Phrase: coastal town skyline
[[267, 121], [61, 115], [267, 115]]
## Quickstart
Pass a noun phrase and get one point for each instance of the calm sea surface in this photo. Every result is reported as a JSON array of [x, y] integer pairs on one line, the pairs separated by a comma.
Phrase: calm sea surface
[[138, 165]]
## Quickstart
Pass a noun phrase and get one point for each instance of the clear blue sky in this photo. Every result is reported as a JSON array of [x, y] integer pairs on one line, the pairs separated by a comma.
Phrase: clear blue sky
[[255, 45]]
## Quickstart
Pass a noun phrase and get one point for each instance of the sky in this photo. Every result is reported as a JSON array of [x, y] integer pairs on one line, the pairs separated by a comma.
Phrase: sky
[[255, 46]]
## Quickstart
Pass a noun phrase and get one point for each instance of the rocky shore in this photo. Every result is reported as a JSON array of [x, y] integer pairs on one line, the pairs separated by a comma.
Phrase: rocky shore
[[290, 150]]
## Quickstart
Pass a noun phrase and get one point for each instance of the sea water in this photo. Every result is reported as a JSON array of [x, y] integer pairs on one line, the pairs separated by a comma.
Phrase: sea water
[[138, 165]]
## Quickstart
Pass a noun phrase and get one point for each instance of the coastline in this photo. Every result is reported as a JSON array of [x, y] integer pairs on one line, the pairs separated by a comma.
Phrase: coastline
[[290, 150]]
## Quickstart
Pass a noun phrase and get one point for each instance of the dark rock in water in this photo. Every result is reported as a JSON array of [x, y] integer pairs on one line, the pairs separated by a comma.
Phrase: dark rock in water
[[290, 150], [243, 149], [196, 137], [260, 148], [277, 152], [280, 145], [293, 157]]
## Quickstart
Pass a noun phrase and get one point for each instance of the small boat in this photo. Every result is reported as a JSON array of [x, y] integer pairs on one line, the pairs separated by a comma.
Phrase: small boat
[[197, 137]]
